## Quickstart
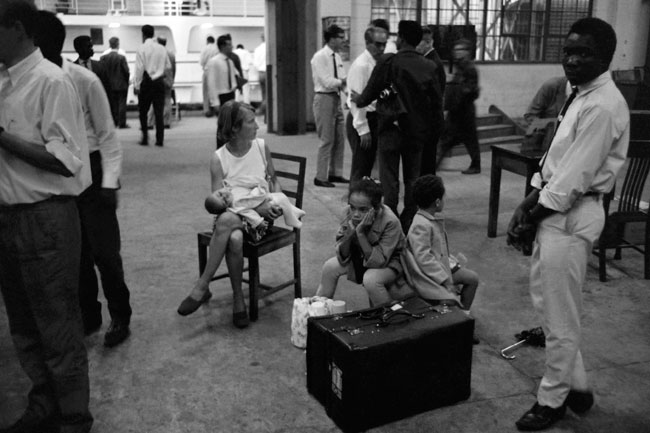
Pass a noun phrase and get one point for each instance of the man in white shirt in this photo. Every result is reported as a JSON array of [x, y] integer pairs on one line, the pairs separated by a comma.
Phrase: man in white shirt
[[565, 214], [329, 80], [98, 203], [43, 166], [151, 60], [361, 123], [259, 62], [221, 74], [246, 59], [207, 53]]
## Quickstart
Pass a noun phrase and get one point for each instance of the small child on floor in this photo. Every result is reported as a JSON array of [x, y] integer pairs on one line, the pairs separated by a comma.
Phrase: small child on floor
[[426, 259]]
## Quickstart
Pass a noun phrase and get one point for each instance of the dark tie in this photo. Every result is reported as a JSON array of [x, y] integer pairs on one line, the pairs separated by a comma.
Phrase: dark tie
[[565, 107], [336, 72], [560, 117], [229, 77]]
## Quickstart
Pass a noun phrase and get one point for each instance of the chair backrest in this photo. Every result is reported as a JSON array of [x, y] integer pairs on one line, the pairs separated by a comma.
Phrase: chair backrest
[[292, 169], [635, 178]]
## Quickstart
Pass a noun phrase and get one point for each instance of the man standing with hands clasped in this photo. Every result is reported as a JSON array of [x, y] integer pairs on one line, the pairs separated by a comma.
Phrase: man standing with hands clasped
[[329, 81], [566, 213]]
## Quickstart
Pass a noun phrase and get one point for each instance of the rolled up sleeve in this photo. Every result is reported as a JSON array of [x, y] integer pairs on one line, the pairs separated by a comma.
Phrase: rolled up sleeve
[[61, 128]]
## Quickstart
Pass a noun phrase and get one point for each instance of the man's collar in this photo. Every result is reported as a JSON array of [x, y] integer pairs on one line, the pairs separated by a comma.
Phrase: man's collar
[[427, 53], [329, 50], [25, 65], [597, 82]]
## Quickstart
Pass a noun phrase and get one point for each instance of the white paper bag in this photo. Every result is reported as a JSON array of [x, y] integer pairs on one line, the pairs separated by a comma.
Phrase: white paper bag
[[304, 308]]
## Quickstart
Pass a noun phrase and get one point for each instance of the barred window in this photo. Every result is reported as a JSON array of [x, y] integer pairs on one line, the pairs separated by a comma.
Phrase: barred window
[[504, 30]]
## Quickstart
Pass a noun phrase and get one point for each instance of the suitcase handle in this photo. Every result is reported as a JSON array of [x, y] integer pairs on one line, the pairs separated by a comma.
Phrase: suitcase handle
[[387, 318]]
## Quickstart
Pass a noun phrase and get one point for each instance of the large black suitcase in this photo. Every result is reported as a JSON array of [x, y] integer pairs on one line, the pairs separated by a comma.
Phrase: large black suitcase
[[374, 366]]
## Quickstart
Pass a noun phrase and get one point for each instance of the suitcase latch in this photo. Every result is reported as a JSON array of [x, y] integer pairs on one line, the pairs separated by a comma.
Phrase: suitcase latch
[[354, 331]]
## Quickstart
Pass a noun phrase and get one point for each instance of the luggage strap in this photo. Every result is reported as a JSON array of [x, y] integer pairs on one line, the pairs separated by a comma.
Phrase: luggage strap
[[386, 316]]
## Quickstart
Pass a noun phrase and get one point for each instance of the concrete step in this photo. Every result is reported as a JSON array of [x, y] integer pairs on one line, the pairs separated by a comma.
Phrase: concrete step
[[488, 119], [491, 131], [485, 143]]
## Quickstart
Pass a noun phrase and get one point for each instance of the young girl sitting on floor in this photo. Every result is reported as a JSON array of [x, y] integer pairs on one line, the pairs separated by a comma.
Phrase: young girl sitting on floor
[[368, 244], [426, 257]]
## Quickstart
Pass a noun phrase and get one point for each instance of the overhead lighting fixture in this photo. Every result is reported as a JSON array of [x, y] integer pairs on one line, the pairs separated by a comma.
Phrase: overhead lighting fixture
[[114, 25], [207, 25]]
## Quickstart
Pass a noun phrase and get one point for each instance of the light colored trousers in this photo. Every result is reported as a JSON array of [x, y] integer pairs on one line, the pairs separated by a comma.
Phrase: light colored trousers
[[330, 128], [558, 269], [374, 281]]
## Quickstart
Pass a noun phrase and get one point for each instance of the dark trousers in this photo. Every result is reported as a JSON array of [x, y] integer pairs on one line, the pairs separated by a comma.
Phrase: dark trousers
[[429, 150], [152, 92], [40, 245], [100, 246], [117, 100], [394, 146], [461, 128], [225, 97], [362, 159]]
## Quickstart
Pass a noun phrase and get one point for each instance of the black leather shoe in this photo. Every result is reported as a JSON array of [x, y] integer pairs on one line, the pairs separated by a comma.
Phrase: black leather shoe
[[472, 170], [29, 424], [143, 142], [117, 333], [240, 319], [540, 417], [580, 401], [159, 144], [190, 305], [338, 179], [323, 183]]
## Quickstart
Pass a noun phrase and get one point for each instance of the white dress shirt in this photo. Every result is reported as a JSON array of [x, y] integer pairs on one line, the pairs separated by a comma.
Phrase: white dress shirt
[[589, 147], [151, 57], [322, 69], [39, 104], [108, 51], [245, 57], [218, 68], [207, 53], [100, 129], [358, 77], [259, 57]]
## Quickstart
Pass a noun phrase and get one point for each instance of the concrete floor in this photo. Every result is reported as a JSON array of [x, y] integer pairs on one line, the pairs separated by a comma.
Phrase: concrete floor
[[199, 374]]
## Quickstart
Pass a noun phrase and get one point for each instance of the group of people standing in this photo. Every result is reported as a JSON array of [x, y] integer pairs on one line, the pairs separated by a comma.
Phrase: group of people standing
[[226, 72], [416, 73]]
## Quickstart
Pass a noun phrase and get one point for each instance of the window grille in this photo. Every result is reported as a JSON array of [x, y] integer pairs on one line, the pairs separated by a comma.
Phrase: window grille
[[504, 30]]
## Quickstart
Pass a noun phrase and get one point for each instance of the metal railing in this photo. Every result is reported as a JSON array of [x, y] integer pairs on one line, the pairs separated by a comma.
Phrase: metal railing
[[237, 8]]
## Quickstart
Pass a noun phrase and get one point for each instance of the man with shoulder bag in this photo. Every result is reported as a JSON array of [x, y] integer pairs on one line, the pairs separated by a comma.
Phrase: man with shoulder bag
[[414, 79]]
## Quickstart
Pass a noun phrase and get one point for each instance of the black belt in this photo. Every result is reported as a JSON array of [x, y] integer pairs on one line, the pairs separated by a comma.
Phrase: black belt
[[591, 193], [327, 93]]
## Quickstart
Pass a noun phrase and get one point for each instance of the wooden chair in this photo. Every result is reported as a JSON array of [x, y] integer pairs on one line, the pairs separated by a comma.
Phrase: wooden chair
[[291, 172], [629, 210]]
